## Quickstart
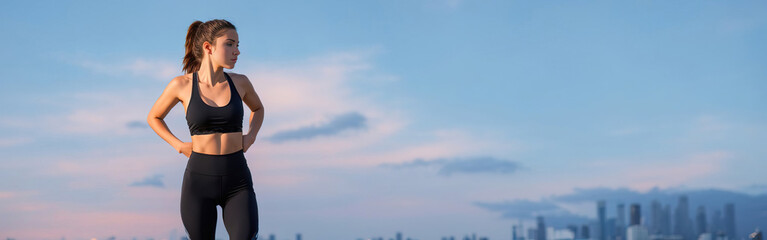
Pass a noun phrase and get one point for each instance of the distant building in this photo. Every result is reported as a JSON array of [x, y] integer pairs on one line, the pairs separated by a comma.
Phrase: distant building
[[716, 223], [636, 215], [601, 215], [701, 225], [637, 232], [585, 234], [610, 229], [541, 230], [656, 218], [682, 222], [573, 229], [729, 221], [620, 223], [665, 225], [559, 234]]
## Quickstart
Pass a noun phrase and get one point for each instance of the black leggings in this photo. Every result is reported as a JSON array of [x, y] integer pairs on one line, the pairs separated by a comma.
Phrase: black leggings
[[223, 180]]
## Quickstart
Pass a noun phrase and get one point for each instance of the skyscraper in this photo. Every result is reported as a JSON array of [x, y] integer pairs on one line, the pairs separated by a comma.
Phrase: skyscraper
[[585, 232], [665, 226], [610, 229], [636, 215], [682, 220], [620, 223], [601, 214], [635, 230], [656, 217], [531, 234], [716, 223], [729, 221], [574, 230], [541, 231], [701, 225]]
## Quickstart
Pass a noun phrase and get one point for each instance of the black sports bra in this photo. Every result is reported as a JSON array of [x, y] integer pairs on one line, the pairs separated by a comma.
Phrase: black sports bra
[[205, 119]]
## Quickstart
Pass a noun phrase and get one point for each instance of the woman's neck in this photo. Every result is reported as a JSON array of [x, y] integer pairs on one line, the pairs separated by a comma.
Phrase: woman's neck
[[210, 74]]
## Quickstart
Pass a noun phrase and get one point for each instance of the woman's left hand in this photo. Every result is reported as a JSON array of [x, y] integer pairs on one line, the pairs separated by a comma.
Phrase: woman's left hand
[[247, 140]]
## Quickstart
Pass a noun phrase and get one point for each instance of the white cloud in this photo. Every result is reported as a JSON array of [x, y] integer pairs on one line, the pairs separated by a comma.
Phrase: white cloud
[[16, 194], [14, 141], [86, 224], [111, 167], [307, 91], [156, 69], [101, 114]]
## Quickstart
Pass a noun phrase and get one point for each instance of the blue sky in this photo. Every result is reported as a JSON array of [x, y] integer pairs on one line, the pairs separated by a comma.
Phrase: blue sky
[[383, 116]]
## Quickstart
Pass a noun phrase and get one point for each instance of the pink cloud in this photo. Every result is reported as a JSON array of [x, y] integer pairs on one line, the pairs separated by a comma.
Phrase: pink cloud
[[91, 224]]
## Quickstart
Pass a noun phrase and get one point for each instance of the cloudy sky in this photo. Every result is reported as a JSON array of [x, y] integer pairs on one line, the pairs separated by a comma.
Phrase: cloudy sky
[[383, 116]]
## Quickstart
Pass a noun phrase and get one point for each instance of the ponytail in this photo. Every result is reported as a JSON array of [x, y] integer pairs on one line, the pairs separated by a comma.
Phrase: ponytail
[[198, 33], [191, 61]]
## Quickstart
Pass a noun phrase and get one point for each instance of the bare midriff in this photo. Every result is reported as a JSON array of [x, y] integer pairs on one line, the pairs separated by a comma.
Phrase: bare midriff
[[217, 143]]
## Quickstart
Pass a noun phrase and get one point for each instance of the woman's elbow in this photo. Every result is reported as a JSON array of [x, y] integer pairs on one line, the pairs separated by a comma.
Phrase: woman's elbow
[[151, 119]]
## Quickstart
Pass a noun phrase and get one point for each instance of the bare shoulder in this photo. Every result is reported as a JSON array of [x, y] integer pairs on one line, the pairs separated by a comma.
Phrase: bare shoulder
[[179, 85], [241, 80], [181, 81]]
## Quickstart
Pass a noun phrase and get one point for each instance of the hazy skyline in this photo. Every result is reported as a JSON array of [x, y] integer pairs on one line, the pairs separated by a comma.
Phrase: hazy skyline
[[384, 116]]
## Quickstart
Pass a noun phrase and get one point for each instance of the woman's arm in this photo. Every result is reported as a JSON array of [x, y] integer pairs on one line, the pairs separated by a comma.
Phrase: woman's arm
[[256, 114], [160, 109]]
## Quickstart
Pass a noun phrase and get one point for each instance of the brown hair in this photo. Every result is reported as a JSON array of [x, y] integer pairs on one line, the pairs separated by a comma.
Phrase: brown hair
[[198, 33]]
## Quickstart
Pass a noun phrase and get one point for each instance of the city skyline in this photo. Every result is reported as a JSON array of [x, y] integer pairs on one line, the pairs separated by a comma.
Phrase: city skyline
[[655, 216], [639, 229]]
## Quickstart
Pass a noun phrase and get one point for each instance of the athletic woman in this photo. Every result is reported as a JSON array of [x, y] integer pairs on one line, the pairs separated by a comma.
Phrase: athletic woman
[[216, 172]]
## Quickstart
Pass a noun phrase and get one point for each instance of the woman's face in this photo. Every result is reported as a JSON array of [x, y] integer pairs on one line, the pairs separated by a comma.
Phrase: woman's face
[[226, 50]]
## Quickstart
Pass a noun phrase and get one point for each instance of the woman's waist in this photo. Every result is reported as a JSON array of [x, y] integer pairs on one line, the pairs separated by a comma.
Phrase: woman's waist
[[217, 143]]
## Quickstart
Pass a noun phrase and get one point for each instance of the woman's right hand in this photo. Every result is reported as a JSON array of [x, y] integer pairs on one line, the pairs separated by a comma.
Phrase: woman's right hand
[[185, 148]]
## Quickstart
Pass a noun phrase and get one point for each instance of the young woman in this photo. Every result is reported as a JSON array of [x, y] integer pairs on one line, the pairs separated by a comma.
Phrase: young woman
[[216, 172]]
